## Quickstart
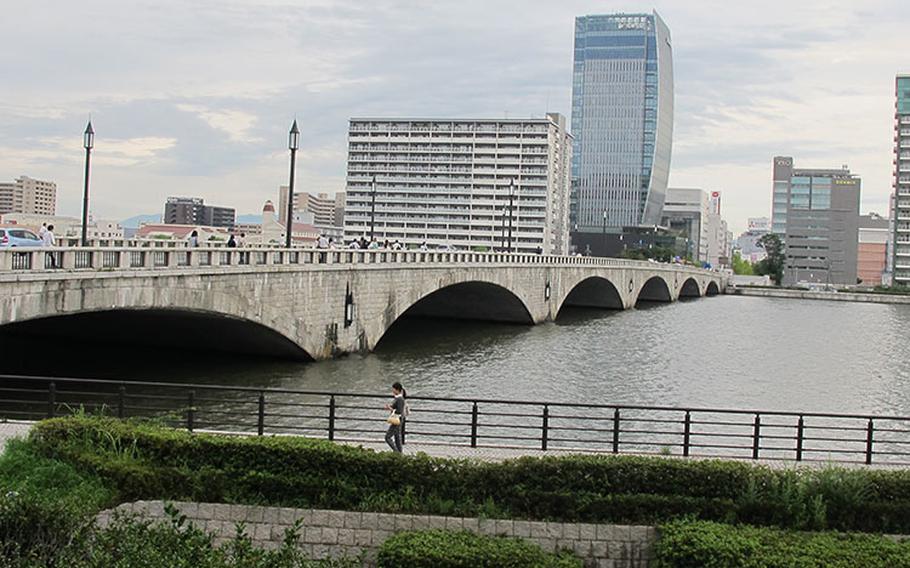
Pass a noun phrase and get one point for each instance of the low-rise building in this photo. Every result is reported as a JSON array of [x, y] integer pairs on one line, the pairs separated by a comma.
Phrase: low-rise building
[[872, 249], [66, 227], [686, 210]]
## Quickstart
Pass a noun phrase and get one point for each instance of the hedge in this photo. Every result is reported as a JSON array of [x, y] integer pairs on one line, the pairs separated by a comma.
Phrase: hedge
[[711, 545], [143, 461], [462, 549]]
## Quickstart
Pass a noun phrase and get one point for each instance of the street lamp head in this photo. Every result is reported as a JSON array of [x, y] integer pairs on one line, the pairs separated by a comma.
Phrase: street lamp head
[[294, 137], [88, 137]]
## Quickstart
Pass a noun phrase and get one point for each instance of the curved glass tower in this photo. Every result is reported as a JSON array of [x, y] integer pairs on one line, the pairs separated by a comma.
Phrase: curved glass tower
[[622, 120]]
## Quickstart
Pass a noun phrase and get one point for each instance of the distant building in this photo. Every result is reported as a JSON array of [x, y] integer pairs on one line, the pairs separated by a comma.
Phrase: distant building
[[622, 120], [747, 243], [29, 196], [322, 207], [900, 263], [447, 182], [872, 249], [686, 211], [720, 241], [818, 212], [273, 232], [194, 211], [65, 227]]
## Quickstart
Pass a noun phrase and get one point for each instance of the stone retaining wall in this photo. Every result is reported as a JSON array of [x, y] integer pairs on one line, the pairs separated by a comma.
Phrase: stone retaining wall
[[343, 533]]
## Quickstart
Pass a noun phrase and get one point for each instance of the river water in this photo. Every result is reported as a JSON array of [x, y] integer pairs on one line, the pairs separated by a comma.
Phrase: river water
[[725, 351]]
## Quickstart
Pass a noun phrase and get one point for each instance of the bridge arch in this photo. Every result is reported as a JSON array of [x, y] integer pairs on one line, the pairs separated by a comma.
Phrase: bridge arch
[[655, 289], [188, 329], [690, 289], [712, 289], [593, 292], [471, 300]]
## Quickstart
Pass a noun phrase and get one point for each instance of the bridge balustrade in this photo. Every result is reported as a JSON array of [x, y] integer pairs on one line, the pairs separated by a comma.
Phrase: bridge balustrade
[[145, 258]]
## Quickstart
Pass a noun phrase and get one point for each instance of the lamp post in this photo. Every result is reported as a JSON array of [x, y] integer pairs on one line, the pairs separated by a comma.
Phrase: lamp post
[[88, 142], [373, 210], [605, 232], [511, 198], [293, 146]]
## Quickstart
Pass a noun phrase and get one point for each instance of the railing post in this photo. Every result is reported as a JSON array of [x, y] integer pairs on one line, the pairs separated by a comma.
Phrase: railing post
[[870, 428], [474, 425], [121, 402], [51, 399], [616, 431], [687, 431], [800, 425], [260, 427], [332, 418], [546, 427], [191, 410], [756, 436]]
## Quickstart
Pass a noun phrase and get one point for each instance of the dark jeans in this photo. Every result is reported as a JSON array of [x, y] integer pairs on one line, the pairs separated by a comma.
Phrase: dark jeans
[[393, 437]]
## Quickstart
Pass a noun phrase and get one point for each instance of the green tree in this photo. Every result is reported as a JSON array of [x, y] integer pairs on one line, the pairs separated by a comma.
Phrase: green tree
[[773, 264], [742, 266]]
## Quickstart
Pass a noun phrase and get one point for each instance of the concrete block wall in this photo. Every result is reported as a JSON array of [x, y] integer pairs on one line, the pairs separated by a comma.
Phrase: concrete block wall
[[338, 534]]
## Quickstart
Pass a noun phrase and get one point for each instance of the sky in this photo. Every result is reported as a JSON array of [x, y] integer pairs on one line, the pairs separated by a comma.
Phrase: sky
[[195, 97]]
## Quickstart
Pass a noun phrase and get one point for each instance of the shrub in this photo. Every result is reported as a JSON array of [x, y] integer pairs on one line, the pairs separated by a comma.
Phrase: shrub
[[144, 461], [461, 549], [711, 545]]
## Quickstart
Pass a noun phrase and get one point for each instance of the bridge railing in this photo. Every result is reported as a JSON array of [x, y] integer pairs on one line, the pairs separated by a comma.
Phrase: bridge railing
[[476, 422], [144, 258]]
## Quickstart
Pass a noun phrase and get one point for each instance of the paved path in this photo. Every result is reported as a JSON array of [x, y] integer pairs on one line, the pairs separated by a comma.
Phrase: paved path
[[13, 429]]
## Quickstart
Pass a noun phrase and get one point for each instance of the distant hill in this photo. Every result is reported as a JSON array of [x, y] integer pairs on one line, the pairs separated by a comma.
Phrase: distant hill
[[134, 222]]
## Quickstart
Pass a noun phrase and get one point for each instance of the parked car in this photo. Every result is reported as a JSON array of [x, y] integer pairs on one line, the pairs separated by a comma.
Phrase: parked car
[[10, 237]]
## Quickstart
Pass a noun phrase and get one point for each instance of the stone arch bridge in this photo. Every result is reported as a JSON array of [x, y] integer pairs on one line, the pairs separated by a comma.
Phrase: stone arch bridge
[[306, 303]]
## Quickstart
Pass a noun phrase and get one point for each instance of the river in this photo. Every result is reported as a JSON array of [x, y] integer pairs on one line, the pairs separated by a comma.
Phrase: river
[[739, 352]]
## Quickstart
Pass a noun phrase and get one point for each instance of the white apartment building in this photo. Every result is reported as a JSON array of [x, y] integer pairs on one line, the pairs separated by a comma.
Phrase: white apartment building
[[687, 210], [446, 182], [29, 196], [322, 207]]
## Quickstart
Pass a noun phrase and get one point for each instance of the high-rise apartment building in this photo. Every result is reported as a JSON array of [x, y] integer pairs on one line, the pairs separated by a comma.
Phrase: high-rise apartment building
[[622, 120], [28, 196], [194, 211], [465, 183], [817, 213], [322, 207], [900, 248]]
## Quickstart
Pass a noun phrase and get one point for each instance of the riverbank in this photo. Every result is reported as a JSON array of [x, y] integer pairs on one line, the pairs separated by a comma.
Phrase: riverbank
[[862, 297]]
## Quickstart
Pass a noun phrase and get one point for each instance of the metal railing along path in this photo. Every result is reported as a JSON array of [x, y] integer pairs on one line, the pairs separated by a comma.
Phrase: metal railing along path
[[476, 423], [109, 259]]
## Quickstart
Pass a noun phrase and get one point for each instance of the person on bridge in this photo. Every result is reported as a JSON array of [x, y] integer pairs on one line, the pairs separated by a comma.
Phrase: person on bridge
[[194, 239], [232, 242], [398, 410], [49, 240]]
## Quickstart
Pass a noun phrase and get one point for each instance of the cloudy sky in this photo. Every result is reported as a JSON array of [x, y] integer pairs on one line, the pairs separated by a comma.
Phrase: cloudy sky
[[195, 97]]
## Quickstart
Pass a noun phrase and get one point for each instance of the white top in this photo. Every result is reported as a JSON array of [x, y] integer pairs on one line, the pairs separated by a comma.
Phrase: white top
[[47, 239], [322, 243]]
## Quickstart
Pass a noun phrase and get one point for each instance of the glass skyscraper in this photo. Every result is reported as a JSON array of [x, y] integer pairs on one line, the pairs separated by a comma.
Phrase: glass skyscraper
[[622, 120]]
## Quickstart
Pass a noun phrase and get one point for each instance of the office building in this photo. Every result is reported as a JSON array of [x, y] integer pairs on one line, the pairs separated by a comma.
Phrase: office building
[[900, 263], [622, 120], [470, 184], [686, 211], [747, 243], [871, 254], [194, 211], [28, 196], [817, 211], [316, 209]]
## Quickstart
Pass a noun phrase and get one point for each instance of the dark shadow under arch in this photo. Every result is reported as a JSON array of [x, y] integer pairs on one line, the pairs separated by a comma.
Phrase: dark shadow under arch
[[184, 330], [594, 292], [468, 301], [712, 289], [654, 290], [690, 289]]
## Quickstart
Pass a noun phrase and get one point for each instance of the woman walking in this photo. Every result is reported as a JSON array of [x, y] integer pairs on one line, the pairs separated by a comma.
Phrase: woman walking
[[396, 418]]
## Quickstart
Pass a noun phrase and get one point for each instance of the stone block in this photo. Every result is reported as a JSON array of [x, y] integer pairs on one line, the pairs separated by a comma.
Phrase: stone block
[[239, 513], [599, 549], [403, 522], [380, 536], [587, 531], [346, 537], [312, 535], [255, 514], [318, 519], [287, 515], [271, 515], [222, 512], [334, 519], [582, 548], [454, 523], [639, 533], [554, 530], [504, 527], [352, 520], [276, 532], [271, 544], [420, 522], [547, 544], [435, 522], [605, 563], [570, 531], [369, 521], [261, 531], [538, 530], [363, 537], [330, 535], [487, 527], [205, 511], [619, 550], [471, 524], [191, 510], [320, 551]]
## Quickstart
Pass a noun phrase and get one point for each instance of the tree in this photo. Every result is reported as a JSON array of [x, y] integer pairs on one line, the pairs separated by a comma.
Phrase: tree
[[773, 264], [742, 266]]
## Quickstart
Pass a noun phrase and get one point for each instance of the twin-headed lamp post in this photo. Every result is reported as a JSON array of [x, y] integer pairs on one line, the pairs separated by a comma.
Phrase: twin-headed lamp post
[[88, 142], [293, 146]]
